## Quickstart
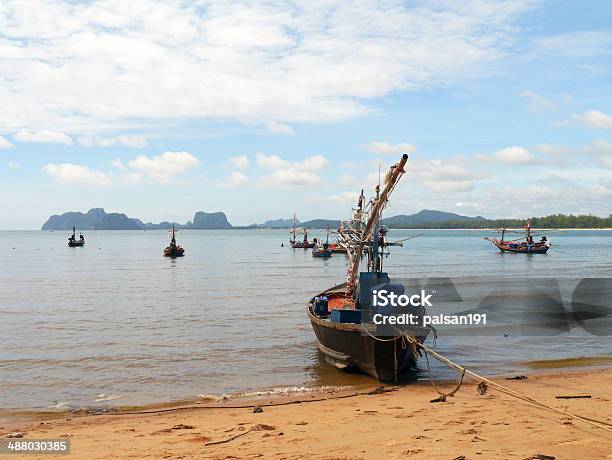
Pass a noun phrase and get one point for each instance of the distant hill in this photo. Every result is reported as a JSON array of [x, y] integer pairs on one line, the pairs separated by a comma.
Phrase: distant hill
[[321, 223], [165, 225], [94, 219], [426, 216], [401, 221], [279, 223], [208, 221], [98, 219]]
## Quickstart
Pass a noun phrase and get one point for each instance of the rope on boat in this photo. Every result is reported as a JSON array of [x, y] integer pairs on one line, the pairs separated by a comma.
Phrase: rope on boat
[[483, 382]]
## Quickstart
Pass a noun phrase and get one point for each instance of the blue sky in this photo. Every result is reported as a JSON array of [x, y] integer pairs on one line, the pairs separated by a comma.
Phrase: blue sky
[[260, 109]]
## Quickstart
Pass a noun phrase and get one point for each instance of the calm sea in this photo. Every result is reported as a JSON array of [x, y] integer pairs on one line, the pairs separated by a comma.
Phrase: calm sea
[[115, 323]]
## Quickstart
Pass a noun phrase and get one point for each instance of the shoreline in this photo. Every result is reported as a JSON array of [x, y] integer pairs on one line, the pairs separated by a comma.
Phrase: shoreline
[[309, 228], [287, 394], [393, 422]]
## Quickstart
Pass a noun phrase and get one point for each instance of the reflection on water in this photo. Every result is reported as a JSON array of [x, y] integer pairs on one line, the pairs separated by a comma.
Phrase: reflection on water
[[115, 322]]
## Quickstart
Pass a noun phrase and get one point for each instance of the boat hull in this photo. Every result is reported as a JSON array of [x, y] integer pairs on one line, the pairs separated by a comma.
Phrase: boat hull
[[169, 252], [302, 245], [536, 248], [347, 345], [76, 244]]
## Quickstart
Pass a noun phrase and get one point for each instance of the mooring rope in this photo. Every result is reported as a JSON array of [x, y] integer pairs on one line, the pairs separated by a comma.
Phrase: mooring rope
[[443, 396], [406, 336], [503, 389]]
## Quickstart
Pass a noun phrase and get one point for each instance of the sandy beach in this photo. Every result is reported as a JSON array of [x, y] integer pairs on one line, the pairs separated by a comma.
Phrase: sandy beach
[[395, 423]]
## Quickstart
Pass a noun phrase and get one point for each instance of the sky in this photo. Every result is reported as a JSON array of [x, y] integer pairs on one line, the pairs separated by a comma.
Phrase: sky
[[261, 109]]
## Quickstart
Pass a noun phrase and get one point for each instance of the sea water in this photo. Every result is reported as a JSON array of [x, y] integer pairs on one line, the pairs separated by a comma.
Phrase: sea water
[[116, 323]]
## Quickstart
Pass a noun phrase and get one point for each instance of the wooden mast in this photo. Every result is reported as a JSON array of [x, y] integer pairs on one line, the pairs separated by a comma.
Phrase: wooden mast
[[391, 179]]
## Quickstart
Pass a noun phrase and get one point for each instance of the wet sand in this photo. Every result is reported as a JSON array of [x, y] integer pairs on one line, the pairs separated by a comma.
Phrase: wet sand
[[392, 424]]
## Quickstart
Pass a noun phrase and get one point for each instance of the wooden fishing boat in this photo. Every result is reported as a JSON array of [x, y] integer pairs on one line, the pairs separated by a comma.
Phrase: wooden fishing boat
[[73, 242], [304, 244], [321, 251], [174, 250], [527, 246], [341, 315], [337, 248]]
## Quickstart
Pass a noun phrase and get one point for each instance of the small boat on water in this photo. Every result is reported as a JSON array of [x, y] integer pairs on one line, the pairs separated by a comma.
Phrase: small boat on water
[[304, 244], [174, 250], [73, 242], [337, 248], [518, 245], [322, 250], [341, 316]]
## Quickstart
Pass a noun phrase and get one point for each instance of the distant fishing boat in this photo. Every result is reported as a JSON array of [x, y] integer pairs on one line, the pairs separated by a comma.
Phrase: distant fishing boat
[[304, 244], [337, 248], [174, 250], [322, 250], [518, 245], [340, 316], [73, 242]]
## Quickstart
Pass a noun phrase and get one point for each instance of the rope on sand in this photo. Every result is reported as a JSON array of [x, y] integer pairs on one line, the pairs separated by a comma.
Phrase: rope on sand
[[483, 382], [503, 389]]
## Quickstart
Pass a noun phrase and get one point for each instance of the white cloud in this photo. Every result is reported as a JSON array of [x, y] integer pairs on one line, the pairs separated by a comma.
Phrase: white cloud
[[137, 142], [554, 151], [515, 156], [235, 179], [241, 162], [448, 175], [345, 197], [162, 168], [537, 103], [271, 161], [602, 153], [68, 173], [581, 44], [596, 120], [314, 163], [279, 128], [43, 137], [4, 144], [13, 165], [347, 180], [387, 148], [284, 173], [132, 177], [291, 177], [118, 164], [88, 67]]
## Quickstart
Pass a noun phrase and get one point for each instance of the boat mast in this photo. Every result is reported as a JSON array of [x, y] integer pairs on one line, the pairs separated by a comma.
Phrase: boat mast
[[368, 233], [528, 231]]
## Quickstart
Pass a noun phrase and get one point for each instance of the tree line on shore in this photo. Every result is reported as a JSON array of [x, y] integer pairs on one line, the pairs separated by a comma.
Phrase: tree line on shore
[[552, 221]]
